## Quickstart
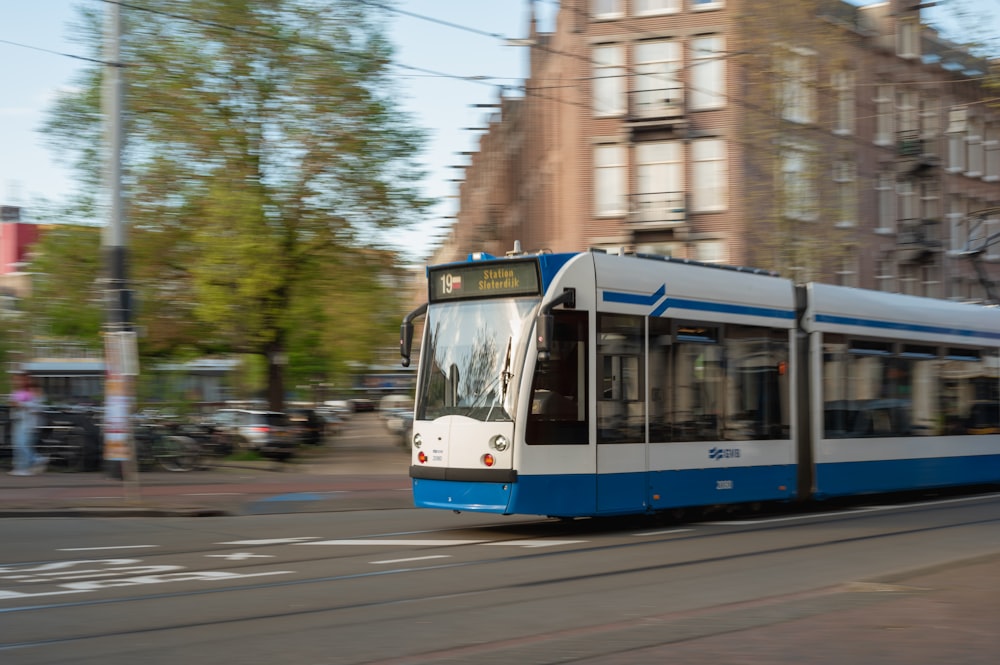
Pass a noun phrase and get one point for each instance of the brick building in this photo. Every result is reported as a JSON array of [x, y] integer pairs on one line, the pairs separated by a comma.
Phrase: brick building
[[828, 142], [16, 239]]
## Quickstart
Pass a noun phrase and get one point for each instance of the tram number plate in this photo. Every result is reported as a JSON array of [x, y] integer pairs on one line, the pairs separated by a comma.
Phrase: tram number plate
[[723, 484]]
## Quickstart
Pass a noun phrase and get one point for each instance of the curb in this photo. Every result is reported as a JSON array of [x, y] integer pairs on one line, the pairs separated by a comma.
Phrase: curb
[[115, 512]]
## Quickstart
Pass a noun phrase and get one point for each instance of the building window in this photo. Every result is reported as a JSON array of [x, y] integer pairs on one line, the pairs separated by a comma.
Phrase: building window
[[991, 154], [708, 73], [798, 87], [799, 187], [908, 38], [884, 111], [884, 278], [974, 148], [659, 182], [958, 231], [643, 7], [929, 118], [847, 273], [930, 201], [928, 280], [992, 238], [609, 80], [710, 251], [957, 127], [885, 192], [710, 175], [606, 8], [656, 84], [907, 201], [844, 172], [699, 5], [908, 111], [843, 88], [610, 169]]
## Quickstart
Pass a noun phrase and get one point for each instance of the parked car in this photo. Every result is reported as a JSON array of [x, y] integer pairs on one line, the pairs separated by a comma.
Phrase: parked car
[[267, 432], [308, 426], [401, 425], [359, 404]]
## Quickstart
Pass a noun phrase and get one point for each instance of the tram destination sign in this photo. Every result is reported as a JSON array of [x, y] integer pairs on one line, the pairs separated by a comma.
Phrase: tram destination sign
[[484, 280]]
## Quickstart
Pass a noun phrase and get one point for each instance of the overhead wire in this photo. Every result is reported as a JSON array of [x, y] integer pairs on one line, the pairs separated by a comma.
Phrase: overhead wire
[[526, 88]]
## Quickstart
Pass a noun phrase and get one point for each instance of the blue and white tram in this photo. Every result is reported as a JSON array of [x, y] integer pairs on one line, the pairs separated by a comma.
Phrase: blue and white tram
[[601, 384]]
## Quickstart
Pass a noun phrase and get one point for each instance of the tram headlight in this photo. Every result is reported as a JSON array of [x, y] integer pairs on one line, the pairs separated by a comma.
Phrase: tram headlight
[[418, 440], [499, 443]]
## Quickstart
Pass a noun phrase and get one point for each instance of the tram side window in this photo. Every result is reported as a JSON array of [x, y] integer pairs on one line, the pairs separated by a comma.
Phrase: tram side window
[[621, 399], [558, 412], [757, 394], [919, 373], [970, 393], [875, 388]]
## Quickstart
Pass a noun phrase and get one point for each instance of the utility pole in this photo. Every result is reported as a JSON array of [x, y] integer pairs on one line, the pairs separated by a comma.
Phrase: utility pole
[[121, 366]]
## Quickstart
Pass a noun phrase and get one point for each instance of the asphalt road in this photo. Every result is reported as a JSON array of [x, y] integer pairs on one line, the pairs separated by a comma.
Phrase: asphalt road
[[909, 583]]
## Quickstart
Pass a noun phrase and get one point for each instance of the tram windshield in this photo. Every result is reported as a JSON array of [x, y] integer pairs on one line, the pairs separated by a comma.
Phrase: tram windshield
[[468, 358]]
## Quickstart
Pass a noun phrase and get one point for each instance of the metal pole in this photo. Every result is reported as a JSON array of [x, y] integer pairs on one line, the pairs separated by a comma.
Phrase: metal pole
[[119, 446]]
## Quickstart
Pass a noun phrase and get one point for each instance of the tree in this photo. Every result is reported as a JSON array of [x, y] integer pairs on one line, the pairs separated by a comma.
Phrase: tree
[[789, 53], [264, 146], [66, 289]]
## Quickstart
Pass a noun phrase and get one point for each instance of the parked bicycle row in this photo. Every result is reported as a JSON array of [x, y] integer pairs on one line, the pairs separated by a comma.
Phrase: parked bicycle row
[[70, 438]]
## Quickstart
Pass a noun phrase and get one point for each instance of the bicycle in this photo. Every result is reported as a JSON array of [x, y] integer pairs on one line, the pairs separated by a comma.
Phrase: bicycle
[[66, 440], [158, 444]]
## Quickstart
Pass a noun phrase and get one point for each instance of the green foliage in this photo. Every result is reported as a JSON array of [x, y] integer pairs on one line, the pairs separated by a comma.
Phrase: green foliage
[[66, 297], [266, 149]]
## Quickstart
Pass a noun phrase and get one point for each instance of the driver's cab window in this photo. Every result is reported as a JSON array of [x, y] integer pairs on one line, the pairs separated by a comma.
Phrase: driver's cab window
[[558, 410]]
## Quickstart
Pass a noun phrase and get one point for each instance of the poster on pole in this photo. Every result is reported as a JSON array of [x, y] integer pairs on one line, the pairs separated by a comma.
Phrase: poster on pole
[[121, 363]]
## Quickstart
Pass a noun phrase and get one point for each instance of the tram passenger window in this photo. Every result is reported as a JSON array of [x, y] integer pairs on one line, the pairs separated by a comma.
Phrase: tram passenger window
[[660, 383], [757, 394], [558, 413], [970, 394], [921, 367], [876, 388], [699, 397], [621, 403]]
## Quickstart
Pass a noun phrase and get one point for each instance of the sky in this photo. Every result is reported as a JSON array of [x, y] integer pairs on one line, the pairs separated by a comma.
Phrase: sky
[[36, 49]]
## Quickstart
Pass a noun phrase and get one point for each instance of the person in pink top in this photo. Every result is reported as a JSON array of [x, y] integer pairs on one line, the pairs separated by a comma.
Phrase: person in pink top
[[26, 405]]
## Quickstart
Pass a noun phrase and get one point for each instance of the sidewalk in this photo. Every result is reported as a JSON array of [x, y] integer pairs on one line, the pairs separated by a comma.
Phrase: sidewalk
[[344, 474]]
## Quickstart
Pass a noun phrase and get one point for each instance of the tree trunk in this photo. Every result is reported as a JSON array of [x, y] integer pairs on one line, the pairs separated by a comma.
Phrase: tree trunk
[[276, 361]]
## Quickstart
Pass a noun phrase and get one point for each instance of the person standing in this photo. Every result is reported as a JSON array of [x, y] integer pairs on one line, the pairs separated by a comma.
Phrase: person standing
[[26, 406]]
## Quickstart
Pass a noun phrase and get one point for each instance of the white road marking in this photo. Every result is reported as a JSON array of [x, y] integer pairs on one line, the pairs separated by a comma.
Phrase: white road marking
[[214, 494], [540, 542], [97, 585], [269, 541], [855, 511], [387, 541], [112, 547], [240, 556], [661, 533], [415, 558]]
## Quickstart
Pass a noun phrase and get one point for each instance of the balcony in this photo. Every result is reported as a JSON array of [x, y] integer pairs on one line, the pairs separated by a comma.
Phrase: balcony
[[917, 240], [915, 154], [909, 144], [656, 108], [657, 210]]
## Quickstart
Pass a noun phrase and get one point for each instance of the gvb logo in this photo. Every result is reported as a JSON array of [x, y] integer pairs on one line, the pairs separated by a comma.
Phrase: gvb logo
[[723, 453]]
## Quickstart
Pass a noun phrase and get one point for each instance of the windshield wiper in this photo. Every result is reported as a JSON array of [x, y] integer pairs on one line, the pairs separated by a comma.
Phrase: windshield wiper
[[504, 378], [505, 373]]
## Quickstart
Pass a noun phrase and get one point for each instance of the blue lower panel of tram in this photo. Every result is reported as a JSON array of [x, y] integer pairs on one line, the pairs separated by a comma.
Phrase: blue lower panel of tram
[[847, 478], [579, 495]]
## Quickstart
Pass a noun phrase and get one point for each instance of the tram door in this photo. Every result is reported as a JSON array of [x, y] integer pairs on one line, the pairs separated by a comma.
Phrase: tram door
[[622, 455]]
